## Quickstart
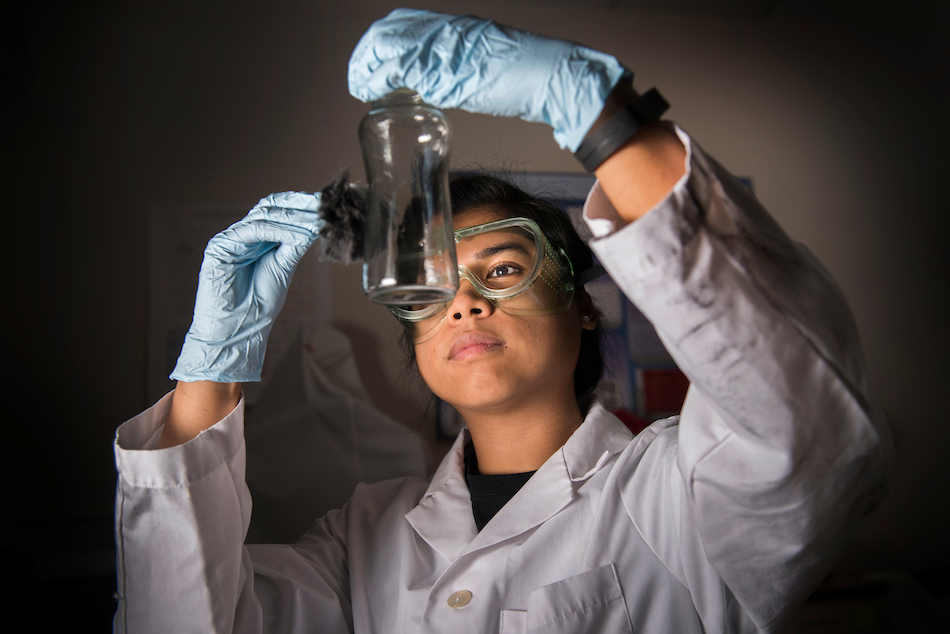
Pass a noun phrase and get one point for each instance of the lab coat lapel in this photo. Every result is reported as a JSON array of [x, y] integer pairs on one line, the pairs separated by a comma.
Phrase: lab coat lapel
[[444, 516], [601, 436], [552, 487], [548, 491]]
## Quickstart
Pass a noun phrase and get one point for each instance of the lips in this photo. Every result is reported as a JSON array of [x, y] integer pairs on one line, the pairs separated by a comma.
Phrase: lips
[[473, 344]]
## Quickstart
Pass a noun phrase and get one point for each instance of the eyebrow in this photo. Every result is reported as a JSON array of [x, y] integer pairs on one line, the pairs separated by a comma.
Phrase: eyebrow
[[499, 248]]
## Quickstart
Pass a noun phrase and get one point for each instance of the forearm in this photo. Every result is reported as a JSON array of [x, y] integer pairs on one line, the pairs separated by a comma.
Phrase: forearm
[[195, 407], [639, 175]]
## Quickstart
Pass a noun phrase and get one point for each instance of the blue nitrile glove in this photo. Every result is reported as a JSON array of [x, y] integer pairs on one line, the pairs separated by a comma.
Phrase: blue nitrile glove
[[481, 66], [242, 285]]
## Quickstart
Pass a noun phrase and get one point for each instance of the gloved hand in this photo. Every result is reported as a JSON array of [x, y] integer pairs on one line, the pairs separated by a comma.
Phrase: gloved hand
[[481, 66], [242, 286]]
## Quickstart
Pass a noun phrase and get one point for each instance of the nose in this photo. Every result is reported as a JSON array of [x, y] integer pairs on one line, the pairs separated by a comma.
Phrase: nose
[[468, 302]]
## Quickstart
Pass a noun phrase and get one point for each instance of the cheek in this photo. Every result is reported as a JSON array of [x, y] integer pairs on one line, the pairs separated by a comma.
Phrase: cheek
[[564, 345], [558, 334], [425, 361]]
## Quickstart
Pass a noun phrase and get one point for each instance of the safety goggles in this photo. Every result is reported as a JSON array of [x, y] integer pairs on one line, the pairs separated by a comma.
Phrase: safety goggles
[[512, 265]]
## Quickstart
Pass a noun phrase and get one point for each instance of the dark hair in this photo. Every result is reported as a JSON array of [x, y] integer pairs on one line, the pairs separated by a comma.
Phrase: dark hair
[[473, 191]]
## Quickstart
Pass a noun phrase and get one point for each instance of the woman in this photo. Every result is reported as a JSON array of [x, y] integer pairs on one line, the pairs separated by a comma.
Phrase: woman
[[721, 519]]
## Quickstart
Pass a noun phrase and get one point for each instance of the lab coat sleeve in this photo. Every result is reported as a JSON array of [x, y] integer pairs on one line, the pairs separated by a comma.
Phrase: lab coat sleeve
[[181, 517], [781, 448]]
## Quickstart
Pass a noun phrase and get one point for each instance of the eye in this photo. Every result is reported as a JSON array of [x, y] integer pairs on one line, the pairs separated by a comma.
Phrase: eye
[[503, 270]]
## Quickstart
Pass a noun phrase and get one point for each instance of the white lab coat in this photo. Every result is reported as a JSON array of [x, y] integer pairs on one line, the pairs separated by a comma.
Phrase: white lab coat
[[719, 520]]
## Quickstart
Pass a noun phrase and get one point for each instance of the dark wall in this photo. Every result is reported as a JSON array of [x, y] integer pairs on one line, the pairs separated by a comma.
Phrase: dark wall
[[108, 108]]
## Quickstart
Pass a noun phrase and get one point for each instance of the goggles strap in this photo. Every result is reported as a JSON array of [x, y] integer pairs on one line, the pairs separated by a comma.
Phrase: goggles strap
[[590, 274]]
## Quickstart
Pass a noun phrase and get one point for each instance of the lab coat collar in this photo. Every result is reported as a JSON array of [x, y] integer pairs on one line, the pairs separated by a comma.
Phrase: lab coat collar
[[444, 516], [599, 437]]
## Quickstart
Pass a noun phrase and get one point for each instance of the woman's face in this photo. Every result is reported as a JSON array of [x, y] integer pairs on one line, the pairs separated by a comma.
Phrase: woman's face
[[483, 359]]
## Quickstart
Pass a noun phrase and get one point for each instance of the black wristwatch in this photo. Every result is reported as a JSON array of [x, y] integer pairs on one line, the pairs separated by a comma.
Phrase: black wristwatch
[[599, 145]]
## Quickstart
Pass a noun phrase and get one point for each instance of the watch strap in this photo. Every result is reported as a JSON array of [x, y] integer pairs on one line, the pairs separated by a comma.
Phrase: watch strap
[[599, 145]]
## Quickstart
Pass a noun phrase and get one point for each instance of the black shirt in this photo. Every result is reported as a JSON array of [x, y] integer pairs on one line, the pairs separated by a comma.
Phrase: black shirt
[[489, 492]]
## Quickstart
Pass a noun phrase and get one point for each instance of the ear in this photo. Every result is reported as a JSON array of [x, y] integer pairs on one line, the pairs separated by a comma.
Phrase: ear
[[585, 311]]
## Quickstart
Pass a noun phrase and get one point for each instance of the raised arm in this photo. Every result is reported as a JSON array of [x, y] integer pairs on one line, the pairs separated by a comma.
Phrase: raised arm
[[182, 505], [782, 450]]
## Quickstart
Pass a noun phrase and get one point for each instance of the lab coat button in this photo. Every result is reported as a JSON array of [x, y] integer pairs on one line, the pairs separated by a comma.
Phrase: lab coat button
[[460, 599]]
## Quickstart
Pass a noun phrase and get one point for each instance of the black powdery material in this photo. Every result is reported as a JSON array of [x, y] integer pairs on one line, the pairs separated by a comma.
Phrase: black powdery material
[[342, 208]]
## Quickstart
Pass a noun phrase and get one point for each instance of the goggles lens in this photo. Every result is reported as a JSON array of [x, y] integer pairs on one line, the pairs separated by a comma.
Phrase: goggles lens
[[512, 265]]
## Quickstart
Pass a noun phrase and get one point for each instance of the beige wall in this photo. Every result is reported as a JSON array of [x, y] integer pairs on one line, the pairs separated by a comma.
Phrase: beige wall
[[168, 104]]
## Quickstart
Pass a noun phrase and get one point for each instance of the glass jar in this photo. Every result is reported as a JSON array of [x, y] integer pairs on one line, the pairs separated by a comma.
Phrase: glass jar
[[409, 248]]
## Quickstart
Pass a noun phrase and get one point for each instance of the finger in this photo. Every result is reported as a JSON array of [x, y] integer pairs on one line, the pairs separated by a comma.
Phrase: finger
[[282, 262], [270, 207], [295, 211], [293, 221], [248, 240], [303, 201]]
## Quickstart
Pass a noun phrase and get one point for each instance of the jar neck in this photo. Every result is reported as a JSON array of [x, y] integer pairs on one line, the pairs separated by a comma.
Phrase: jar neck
[[398, 97]]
